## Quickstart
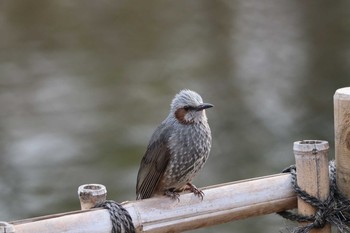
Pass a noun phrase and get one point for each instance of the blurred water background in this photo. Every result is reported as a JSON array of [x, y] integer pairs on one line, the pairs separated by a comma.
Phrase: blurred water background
[[83, 84]]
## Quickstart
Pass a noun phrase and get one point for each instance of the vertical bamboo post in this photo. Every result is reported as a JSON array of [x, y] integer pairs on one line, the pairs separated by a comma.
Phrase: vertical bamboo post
[[342, 138], [91, 194], [6, 228], [311, 157]]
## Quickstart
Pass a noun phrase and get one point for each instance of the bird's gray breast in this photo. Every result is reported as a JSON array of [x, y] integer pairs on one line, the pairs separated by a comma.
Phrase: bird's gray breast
[[189, 147]]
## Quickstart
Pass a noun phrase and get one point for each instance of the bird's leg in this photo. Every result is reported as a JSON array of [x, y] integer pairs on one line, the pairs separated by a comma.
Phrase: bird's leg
[[172, 194], [195, 190]]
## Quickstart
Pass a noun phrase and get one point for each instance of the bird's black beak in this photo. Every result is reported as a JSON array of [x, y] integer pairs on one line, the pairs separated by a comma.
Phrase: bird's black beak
[[203, 106]]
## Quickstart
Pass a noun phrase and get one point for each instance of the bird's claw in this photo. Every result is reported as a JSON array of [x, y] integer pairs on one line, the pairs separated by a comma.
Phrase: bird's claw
[[172, 194], [195, 190]]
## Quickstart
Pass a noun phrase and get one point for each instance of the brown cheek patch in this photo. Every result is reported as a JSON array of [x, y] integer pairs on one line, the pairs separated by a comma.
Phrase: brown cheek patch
[[180, 115]]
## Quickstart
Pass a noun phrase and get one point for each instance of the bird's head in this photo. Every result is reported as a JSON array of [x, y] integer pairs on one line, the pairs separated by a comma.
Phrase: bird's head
[[188, 107]]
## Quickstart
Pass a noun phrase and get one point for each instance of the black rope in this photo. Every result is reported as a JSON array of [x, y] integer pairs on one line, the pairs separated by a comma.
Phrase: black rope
[[334, 210], [121, 220]]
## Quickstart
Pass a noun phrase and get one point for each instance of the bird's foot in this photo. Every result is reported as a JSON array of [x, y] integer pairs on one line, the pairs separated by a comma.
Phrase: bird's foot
[[195, 190], [172, 194]]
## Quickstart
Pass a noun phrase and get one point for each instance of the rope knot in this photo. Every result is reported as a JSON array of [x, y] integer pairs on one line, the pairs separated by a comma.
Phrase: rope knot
[[121, 220], [334, 210], [320, 219]]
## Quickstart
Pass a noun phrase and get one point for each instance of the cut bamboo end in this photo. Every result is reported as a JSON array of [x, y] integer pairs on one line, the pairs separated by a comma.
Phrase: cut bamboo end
[[311, 158], [342, 138], [6, 228], [91, 195]]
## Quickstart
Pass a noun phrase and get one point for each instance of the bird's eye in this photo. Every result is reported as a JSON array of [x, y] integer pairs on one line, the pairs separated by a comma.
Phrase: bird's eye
[[187, 108]]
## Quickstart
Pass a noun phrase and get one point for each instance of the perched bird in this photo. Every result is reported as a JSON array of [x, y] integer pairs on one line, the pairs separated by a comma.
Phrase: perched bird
[[177, 150]]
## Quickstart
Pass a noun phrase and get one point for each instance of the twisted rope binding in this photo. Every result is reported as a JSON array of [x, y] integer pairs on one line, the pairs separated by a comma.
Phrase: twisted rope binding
[[334, 210], [121, 220]]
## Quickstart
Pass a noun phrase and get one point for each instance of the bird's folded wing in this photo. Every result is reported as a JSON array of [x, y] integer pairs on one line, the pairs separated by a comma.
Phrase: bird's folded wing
[[153, 165]]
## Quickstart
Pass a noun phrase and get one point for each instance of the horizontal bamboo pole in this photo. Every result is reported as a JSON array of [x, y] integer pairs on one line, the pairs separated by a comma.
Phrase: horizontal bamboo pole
[[83, 221], [221, 203]]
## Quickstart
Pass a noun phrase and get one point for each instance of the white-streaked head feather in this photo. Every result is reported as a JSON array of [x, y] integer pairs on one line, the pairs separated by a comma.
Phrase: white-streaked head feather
[[186, 107], [185, 98]]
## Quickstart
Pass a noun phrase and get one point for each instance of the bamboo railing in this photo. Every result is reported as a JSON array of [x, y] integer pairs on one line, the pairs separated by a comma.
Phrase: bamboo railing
[[223, 202]]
